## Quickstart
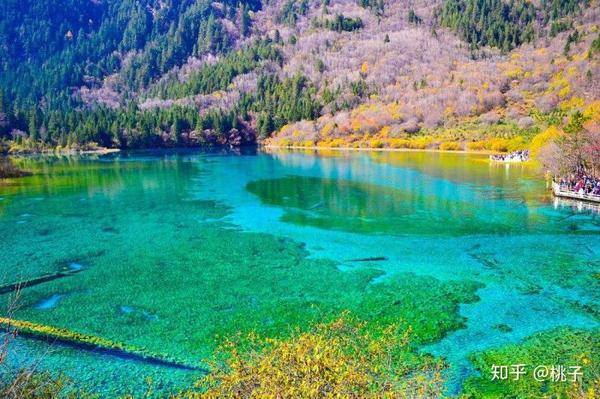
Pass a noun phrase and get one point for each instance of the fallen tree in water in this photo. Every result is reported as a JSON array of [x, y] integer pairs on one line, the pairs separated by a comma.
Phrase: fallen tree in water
[[13, 287], [90, 342]]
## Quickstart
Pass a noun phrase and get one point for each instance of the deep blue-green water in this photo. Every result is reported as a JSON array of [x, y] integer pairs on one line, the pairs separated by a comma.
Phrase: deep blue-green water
[[178, 248]]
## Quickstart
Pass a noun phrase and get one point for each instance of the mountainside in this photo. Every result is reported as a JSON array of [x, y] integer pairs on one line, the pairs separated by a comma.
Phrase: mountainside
[[376, 73]]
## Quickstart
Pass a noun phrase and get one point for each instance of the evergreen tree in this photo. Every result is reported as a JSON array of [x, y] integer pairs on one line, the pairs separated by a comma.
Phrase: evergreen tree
[[176, 131], [32, 125], [244, 20]]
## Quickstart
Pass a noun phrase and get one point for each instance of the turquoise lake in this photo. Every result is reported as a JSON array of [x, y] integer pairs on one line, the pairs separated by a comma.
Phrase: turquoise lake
[[174, 250]]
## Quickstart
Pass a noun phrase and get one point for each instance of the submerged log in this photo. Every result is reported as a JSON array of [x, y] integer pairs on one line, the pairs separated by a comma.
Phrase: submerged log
[[11, 287], [373, 259], [94, 343]]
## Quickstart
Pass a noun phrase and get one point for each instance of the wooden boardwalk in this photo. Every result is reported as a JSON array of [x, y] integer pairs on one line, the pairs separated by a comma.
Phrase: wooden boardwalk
[[556, 189]]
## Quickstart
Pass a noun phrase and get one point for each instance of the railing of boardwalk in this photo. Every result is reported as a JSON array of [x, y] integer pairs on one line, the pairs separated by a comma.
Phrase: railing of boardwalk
[[563, 192]]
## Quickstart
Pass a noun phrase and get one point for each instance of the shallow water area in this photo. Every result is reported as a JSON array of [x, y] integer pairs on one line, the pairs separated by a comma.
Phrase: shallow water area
[[172, 249]]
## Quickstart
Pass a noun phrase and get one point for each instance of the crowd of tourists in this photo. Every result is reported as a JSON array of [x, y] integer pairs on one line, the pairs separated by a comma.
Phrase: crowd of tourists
[[580, 183], [517, 156]]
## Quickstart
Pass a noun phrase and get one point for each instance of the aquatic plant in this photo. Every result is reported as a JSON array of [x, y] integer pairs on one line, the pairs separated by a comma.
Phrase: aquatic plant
[[342, 205], [550, 350], [30, 385]]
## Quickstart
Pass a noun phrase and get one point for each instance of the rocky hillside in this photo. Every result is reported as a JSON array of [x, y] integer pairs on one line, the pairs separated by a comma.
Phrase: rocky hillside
[[482, 74]]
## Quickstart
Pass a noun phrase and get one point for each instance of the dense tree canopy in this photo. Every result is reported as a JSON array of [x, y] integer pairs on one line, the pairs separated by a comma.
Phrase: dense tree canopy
[[138, 73], [490, 22], [502, 24], [49, 48]]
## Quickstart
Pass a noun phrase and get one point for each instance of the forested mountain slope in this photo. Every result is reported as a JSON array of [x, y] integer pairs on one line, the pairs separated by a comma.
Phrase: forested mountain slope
[[140, 73]]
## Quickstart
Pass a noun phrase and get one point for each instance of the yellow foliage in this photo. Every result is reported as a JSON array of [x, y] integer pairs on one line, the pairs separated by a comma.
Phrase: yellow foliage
[[385, 131], [499, 145], [515, 144], [561, 84], [327, 129], [376, 143], [514, 73], [580, 56], [572, 103], [561, 61], [451, 146], [592, 111], [336, 143], [399, 143], [564, 92], [285, 142], [476, 146], [420, 143], [341, 359], [364, 68], [542, 139], [394, 110]]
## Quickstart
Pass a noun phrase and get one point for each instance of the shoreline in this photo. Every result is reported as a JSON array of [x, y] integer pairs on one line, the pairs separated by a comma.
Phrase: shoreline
[[105, 151], [431, 150], [101, 151]]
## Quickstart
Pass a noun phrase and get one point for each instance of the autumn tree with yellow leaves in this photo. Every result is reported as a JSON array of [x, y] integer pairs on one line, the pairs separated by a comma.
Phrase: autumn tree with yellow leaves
[[344, 358]]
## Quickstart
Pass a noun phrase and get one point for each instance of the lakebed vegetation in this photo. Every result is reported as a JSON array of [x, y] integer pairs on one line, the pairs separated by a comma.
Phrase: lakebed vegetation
[[350, 358], [297, 326]]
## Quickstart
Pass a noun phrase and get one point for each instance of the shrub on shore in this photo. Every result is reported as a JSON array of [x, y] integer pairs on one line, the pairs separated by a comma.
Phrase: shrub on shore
[[451, 146], [9, 170]]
